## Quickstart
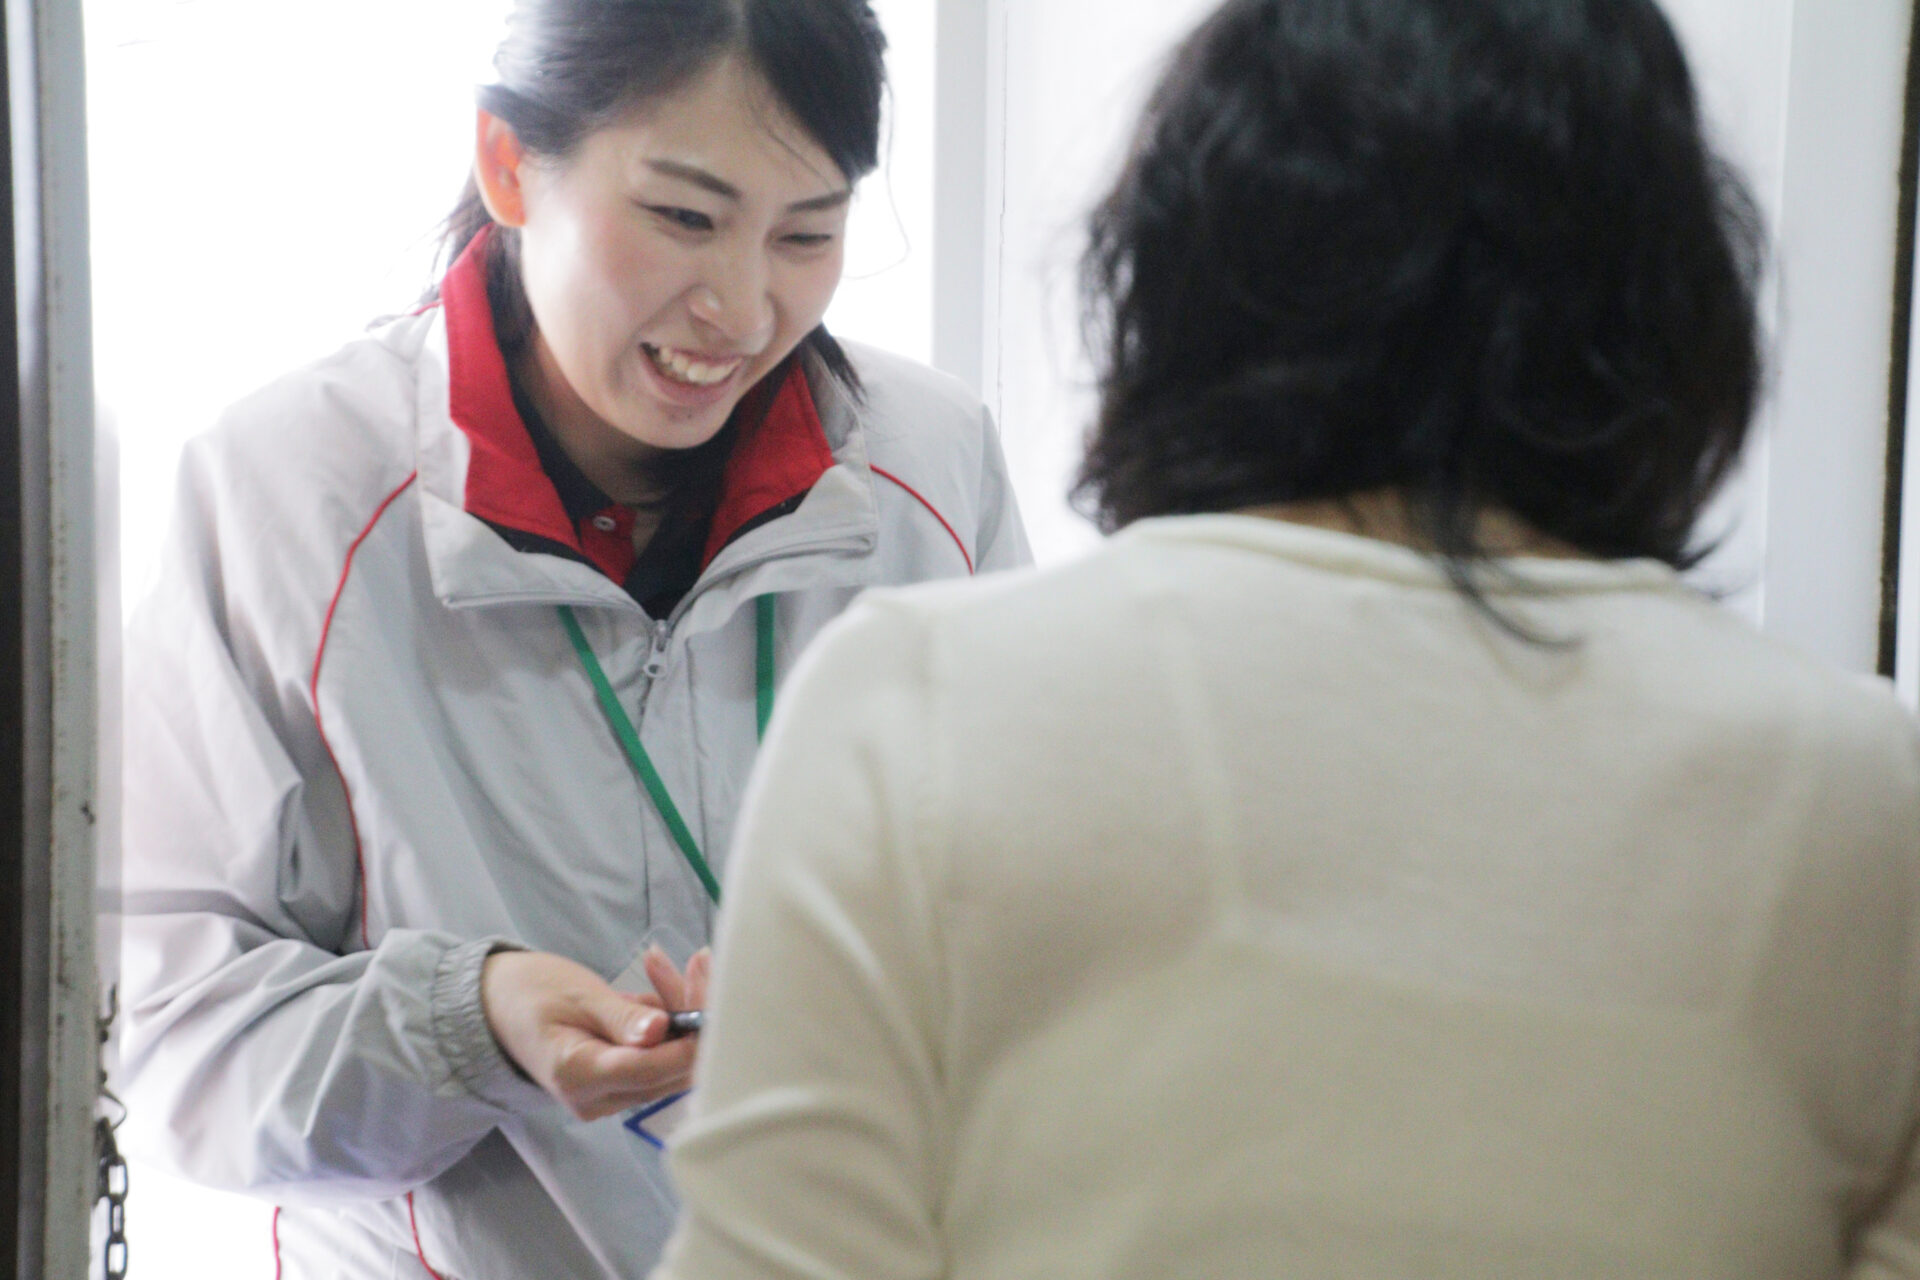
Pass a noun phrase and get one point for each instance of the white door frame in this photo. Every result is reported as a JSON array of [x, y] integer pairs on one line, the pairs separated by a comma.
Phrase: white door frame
[[968, 184]]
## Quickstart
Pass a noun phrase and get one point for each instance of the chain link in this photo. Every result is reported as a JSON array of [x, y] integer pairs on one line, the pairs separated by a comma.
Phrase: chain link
[[113, 1189], [112, 1182]]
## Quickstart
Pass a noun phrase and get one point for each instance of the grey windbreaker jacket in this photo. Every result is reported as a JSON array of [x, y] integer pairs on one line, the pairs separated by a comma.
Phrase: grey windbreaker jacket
[[361, 752]]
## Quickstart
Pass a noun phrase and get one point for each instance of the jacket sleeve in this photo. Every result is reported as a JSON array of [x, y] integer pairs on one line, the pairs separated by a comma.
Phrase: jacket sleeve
[[262, 1048], [818, 1145], [1001, 541]]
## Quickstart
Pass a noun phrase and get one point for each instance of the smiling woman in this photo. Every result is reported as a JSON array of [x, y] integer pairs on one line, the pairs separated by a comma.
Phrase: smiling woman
[[658, 289], [438, 716]]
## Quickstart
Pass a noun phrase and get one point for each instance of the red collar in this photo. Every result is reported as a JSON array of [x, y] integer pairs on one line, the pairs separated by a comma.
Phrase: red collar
[[774, 463]]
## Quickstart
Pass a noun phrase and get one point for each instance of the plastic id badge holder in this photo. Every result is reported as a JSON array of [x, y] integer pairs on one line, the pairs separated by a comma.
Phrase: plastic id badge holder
[[654, 1123]]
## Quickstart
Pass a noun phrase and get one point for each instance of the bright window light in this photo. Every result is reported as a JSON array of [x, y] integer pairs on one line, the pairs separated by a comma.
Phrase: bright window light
[[268, 179]]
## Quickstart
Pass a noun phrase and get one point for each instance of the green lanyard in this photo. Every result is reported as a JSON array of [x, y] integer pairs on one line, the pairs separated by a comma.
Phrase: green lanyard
[[629, 737]]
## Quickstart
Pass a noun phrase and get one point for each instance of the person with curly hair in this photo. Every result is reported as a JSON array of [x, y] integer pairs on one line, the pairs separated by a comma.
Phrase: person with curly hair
[[1376, 860]]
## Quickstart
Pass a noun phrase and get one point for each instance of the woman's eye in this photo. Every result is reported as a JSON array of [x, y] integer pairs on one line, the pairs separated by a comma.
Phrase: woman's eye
[[686, 219], [809, 240]]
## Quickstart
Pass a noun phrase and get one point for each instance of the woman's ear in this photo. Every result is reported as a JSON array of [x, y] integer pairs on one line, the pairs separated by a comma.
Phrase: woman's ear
[[497, 158]]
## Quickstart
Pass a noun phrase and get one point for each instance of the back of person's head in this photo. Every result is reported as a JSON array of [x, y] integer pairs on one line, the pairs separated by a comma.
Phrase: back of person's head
[[570, 67], [1476, 252]]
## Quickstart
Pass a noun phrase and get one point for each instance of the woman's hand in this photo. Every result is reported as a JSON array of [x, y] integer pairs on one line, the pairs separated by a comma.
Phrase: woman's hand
[[595, 1049], [680, 990]]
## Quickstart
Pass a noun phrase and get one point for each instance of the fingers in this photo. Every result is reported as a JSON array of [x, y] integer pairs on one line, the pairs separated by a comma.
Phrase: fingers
[[595, 1079], [699, 974], [618, 1018], [666, 978], [680, 990], [594, 1049]]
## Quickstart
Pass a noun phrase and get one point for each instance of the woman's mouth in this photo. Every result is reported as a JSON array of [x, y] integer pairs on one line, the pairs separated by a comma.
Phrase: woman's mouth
[[690, 370]]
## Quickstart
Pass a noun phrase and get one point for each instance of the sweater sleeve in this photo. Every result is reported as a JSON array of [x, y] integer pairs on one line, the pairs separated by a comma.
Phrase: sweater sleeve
[[264, 1048], [817, 1147], [1886, 1246]]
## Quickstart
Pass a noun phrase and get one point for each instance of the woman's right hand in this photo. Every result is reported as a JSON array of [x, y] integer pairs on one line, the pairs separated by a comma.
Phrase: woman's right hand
[[595, 1049]]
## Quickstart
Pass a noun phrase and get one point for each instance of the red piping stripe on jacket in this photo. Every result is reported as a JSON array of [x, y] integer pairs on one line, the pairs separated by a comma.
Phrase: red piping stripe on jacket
[[419, 1252], [934, 511], [313, 691]]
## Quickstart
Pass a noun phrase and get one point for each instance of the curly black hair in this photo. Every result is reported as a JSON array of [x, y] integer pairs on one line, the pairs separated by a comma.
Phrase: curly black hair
[[1475, 252]]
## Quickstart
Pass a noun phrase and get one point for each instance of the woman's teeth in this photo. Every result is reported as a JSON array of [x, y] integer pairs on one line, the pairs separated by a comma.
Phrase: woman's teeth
[[682, 367]]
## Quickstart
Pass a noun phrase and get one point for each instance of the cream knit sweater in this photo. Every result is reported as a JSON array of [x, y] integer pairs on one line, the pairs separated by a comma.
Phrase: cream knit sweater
[[1236, 902]]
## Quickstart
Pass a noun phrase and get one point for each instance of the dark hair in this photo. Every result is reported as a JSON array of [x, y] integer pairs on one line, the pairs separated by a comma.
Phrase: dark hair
[[1472, 251], [570, 67]]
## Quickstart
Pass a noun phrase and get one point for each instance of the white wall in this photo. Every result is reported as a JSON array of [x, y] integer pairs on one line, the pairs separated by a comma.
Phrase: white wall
[[1826, 487], [1077, 74], [1805, 97], [1742, 56]]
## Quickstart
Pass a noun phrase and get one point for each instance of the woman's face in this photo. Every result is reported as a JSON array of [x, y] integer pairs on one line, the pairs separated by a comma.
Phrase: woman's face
[[677, 256]]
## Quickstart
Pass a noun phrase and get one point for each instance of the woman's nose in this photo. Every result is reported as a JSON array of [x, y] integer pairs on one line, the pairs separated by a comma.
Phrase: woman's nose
[[736, 307]]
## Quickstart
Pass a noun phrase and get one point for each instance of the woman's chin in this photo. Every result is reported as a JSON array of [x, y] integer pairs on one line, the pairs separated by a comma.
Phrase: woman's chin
[[672, 429]]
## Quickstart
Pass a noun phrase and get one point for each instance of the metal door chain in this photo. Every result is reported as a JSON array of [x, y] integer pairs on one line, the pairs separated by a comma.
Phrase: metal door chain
[[112, 1182]]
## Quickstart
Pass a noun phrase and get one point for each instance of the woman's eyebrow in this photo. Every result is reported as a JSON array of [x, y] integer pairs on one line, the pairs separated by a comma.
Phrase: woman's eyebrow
[[727, 191], [818, 204]]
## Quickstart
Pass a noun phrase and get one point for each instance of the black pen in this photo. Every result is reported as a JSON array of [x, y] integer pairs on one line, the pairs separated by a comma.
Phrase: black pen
[[687, 1022]]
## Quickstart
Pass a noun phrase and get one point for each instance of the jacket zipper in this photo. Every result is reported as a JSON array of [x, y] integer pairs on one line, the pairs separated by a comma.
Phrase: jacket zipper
[[656, 663]]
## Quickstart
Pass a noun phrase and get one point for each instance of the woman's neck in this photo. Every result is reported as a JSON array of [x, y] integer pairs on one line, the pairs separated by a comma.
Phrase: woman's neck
[[1384, 514], [621, 467]]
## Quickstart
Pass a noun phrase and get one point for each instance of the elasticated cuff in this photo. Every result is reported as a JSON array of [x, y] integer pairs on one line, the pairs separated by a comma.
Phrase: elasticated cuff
[[464, 1039]]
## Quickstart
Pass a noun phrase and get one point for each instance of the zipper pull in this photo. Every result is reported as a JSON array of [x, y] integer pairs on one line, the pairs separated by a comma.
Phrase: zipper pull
[[657, 659]]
